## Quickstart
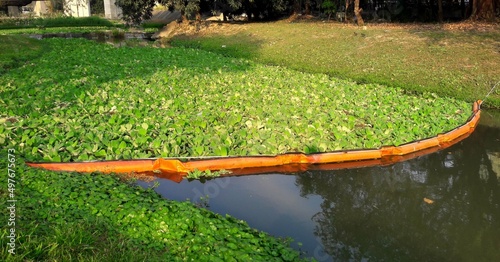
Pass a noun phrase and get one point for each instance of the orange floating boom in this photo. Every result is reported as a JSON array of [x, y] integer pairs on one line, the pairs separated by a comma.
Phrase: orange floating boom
[[286, 162]]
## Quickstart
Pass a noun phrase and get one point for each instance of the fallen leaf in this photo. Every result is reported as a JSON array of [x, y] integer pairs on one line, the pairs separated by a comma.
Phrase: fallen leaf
[[428, 201]]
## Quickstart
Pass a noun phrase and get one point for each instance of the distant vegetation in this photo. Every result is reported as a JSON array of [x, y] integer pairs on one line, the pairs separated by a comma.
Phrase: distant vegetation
[[357, 10], [61, 21]]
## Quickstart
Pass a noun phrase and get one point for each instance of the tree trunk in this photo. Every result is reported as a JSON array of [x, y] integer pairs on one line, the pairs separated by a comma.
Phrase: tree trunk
[[296, 7], [357, 13], [462, 7], [440, 11], [483, 10], [308, 7]]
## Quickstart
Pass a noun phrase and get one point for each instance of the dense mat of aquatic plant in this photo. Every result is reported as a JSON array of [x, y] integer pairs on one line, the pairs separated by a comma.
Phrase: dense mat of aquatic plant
[[82, 100], [63, 216]]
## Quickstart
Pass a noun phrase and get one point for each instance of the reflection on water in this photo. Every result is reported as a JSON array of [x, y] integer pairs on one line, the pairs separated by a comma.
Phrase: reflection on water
[[376, 213]]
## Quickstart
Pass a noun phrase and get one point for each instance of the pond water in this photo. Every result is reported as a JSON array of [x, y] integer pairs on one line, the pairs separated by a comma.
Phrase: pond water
[[439, 207], [116, 39]]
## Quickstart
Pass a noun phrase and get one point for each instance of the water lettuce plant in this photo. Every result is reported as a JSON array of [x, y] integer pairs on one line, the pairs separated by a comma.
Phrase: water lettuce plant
[[197, 174], [83, 100]]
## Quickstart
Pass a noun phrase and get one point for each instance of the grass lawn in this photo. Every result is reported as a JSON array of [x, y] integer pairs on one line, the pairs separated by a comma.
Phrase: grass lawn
[[460, 61]]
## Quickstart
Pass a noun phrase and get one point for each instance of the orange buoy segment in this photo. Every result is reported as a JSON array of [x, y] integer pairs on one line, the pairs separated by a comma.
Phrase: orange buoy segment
[[99, 166], [291, 162]]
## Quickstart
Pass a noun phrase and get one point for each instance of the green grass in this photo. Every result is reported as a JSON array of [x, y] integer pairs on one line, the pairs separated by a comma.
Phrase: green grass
[[13, 26], [101, 102], [153, 25], [75, 217], [15, 50], [455, 63]]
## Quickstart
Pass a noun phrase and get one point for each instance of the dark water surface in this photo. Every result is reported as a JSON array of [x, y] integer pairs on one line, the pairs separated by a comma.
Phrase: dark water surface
[[440, 207], [118, 39]]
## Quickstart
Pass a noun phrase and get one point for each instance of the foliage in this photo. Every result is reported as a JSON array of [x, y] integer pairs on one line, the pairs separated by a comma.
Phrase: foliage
[[446, 61], [101, 102], [257, 8], [96, 7], [67, 216], [62, 21], [55, 30], [265, 9], [135, 11], [197, 174], [187, 8], [329, 7]]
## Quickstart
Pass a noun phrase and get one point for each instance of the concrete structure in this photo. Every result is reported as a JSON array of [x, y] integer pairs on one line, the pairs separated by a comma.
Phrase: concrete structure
[[41, 8], [77, 8], [111, 10], [13, 10]]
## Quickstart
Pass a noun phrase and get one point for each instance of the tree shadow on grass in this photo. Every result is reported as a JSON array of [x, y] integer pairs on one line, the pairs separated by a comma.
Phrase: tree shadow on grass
[[239, 44], [16, 50]]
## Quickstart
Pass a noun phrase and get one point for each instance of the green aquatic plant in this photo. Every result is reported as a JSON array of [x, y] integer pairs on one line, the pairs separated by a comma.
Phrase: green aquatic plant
[[101, 102], [197, 174]]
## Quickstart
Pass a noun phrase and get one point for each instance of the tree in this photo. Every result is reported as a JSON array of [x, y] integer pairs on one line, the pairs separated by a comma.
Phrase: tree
[[96, 7], [329, 7], [357, 13], [187, 8], [227, 6], [296, 7], [484, 9], [308, 7], [440, 11], [135, 11], [255, 8]]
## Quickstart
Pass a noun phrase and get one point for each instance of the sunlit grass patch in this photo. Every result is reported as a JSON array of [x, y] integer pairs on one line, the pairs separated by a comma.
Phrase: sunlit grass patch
[[458, 63]]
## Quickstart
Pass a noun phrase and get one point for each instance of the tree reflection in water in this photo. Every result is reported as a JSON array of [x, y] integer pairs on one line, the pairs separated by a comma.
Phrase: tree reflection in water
[[380, 214]]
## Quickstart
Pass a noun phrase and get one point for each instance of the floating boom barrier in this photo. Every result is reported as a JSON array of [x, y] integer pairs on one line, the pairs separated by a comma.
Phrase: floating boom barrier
[[176, 168]]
